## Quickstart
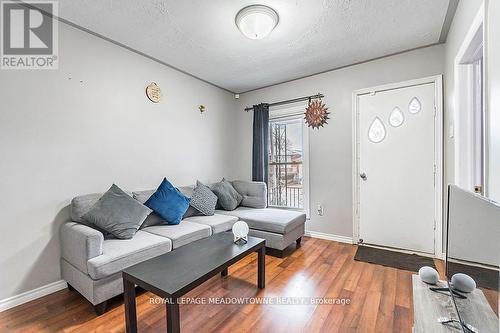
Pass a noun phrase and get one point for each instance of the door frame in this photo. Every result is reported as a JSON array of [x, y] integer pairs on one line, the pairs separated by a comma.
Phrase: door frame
[[462, 118], [437, 80]]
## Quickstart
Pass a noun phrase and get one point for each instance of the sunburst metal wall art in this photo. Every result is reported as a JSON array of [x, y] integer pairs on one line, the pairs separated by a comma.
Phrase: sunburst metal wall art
[[316, 114]]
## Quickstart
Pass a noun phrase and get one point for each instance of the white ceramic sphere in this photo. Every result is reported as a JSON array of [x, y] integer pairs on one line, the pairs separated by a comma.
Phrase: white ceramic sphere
[[463, 282], [240, 229], [428, 275]]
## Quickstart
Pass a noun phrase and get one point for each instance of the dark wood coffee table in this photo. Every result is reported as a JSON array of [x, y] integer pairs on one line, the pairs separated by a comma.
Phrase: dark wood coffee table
[[173, 274]]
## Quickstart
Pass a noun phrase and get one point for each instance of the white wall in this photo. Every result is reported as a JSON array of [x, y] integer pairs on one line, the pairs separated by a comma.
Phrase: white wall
[[493, 96], [331, 146], [60, 137]]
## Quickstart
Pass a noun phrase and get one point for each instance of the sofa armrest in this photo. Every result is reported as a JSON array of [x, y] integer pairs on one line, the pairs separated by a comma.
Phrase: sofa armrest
[[79, 243], [254, 193]]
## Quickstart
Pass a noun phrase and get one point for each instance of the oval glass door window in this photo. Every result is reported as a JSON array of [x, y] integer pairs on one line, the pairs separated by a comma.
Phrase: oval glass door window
[[415, 106], [376, 132], [397, 117]]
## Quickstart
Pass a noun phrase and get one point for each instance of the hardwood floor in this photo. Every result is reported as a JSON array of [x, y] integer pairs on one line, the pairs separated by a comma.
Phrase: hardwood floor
[[380, 299]]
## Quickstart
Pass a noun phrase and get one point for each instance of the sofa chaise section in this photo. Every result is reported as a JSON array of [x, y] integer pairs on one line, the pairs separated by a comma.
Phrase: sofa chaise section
[[275, 220], [279, 227]]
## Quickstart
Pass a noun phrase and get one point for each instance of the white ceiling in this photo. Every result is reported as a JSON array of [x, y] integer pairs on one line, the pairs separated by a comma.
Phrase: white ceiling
[[201, 38]]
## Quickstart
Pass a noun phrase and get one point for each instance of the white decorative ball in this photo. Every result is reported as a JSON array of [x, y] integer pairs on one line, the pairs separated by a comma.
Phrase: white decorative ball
[[428, 275], [240, 229], [463, 282]]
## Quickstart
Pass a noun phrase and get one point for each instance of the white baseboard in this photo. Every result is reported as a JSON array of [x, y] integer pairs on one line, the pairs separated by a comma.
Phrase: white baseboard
[[31, 295], [336, 238]]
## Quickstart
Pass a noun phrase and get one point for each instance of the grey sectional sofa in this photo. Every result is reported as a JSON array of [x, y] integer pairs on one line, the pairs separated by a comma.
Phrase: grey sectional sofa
[[92, 264]]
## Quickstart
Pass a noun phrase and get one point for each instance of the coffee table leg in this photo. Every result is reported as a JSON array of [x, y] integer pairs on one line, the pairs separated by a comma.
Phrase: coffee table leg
[[173, 316], [130, 311], [261, 274]]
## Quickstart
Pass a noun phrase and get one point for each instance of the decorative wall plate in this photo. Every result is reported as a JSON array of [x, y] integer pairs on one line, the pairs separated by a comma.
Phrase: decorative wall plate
[[153, 92], [316, 114]]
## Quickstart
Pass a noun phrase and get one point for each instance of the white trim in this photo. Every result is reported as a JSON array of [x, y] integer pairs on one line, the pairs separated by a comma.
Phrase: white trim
[[475, 264], [438, 159], [306, 166], [31, 295], [462, 121], [336, 238]]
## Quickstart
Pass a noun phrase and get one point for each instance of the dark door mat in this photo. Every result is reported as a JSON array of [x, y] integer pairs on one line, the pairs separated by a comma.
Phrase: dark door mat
[[485, 278], [408, 262]]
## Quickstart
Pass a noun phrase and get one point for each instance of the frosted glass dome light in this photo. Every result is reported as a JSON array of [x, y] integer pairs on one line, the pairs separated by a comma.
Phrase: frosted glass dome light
[[256, 21]]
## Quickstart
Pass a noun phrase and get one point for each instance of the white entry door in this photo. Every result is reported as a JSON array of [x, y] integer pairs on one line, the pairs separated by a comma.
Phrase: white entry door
[[397, 166]]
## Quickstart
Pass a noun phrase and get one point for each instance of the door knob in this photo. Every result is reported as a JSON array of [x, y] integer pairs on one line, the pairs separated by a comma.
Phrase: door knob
[[363, 176]]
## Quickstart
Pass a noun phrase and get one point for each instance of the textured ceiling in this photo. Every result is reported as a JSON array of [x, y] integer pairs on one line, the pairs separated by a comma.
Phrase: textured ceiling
[[200, 37]]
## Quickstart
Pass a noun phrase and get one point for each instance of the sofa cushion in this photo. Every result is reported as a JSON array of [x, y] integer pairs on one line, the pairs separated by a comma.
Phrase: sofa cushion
[[218, 223], [227, 196], [254, 193], [275, 220], [181, 234], [118, 254], [117, 213], [168, 202]]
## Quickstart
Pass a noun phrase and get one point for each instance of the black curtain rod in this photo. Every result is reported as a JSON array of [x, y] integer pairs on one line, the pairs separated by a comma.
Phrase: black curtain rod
[[289, 101]]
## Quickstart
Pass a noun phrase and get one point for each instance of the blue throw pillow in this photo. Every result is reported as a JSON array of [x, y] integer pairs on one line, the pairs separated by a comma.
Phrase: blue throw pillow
[[168, 202]]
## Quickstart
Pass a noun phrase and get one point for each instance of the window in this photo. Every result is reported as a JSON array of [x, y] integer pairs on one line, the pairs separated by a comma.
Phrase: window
[[287, 185]]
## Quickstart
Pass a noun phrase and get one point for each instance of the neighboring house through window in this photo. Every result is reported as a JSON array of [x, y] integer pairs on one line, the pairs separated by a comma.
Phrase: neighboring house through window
[[288, 159]]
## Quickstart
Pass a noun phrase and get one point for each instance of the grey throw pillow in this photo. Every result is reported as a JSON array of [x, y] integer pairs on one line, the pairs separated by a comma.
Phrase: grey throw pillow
[[117, 213], [203, 199], [228, 197]]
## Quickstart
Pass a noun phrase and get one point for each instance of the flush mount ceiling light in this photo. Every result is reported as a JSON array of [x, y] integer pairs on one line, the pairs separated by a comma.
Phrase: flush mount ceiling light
[[256, 21]]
